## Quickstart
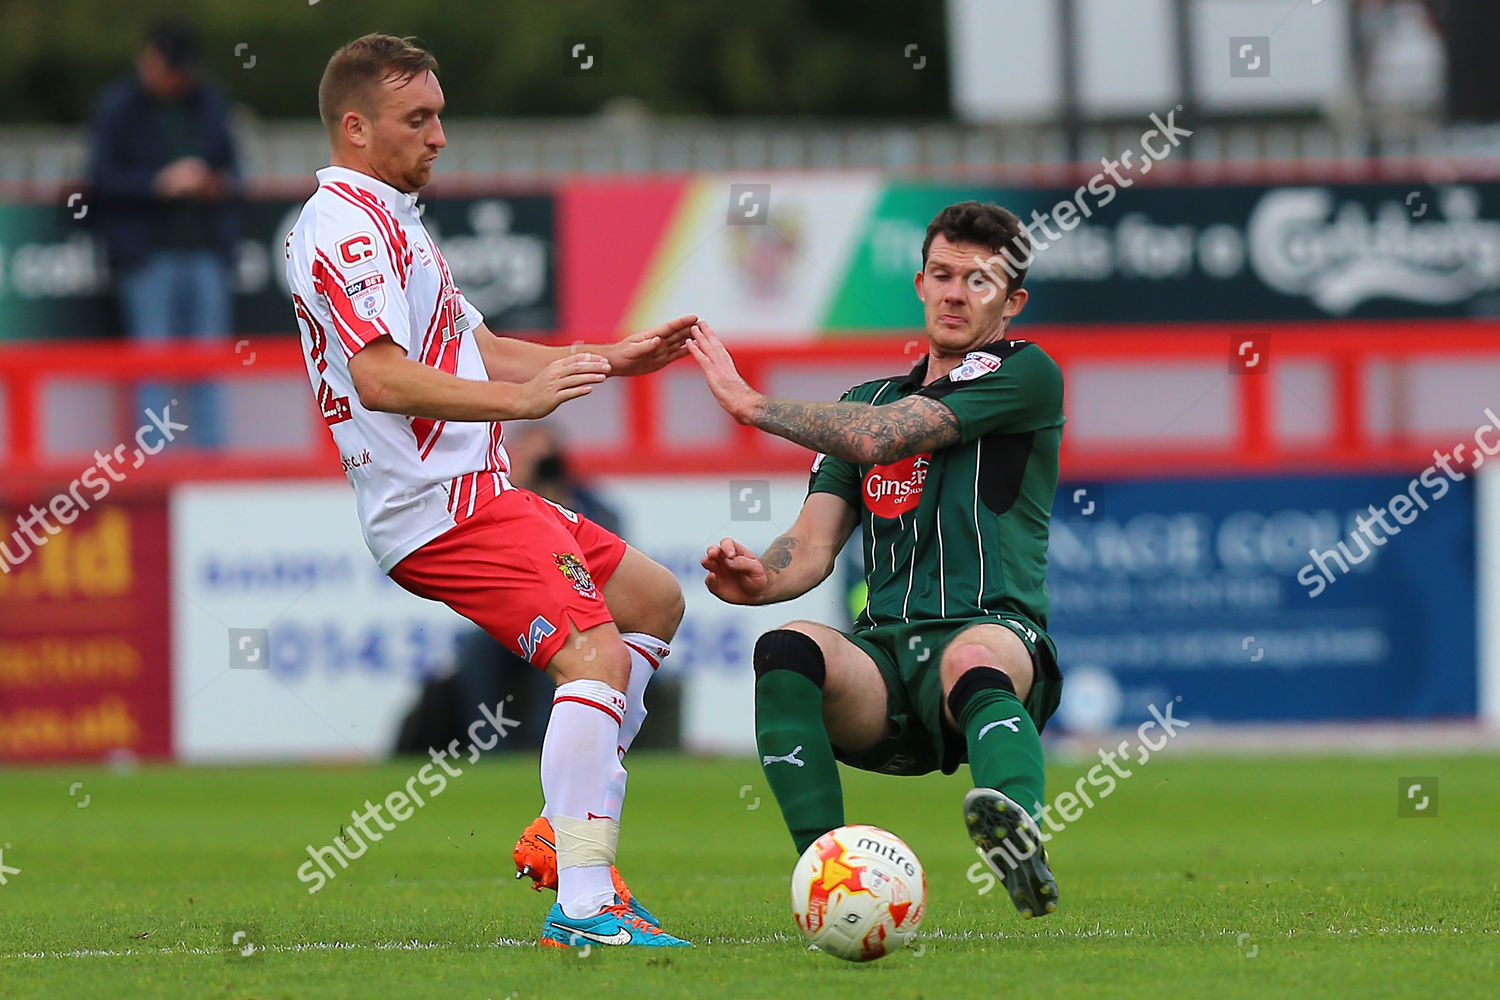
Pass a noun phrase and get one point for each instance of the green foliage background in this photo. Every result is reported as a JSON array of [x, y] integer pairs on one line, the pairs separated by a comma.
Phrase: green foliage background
[[767, 57]]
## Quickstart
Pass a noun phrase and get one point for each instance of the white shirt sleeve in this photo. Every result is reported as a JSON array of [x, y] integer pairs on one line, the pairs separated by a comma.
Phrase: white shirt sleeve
[[364, 286]]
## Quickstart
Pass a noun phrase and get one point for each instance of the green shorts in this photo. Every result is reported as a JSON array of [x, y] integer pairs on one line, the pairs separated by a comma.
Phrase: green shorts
[[907, 655]]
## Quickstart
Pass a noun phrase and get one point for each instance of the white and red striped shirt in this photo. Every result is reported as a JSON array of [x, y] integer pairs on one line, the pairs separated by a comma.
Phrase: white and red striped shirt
[[360, 265]]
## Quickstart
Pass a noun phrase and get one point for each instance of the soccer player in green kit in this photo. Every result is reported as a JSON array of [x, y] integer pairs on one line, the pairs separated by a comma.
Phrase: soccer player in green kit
[[949, 472]]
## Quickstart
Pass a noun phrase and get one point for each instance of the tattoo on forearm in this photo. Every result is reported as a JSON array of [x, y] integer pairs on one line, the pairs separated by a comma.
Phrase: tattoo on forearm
[[859, 432], [779, 556]]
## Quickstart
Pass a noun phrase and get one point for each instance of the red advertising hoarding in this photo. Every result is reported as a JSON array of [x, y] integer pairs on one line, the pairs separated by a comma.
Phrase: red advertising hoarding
[[85, 635]]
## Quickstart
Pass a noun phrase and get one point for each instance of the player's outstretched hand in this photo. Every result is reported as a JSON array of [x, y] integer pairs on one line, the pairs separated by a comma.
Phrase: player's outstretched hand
[[733, 393], [651, 350], [564, 379], [735, 574]]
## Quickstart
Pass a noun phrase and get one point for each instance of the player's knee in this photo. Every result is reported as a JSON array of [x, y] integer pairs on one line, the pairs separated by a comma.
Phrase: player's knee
[[599, 660], [961, 657], [964, 687], [664, 602], [790, 648], [616, 665], [809, 629], [673, 607]]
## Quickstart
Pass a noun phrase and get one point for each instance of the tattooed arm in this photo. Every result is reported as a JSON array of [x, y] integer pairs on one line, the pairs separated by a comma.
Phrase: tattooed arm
[[859, 432], [794, 564], [855, 432]]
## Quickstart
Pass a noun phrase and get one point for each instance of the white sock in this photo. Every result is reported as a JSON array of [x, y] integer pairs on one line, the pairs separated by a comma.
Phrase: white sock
[[593, 889], [579, 758], [646, 654]]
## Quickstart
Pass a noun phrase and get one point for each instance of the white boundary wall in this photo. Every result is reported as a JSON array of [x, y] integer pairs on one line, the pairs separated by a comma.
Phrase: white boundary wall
[[348, 647], [351, 645]]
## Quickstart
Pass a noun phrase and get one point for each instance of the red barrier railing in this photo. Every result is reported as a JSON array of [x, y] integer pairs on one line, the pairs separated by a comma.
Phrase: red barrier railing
[[1347, 349]]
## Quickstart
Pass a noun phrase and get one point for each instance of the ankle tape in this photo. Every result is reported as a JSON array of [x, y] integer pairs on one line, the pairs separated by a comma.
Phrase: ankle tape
[[584, 842]]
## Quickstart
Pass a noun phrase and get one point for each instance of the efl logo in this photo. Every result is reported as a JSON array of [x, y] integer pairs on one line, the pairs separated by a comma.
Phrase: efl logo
[[357, 248], [892, 490], [368, 295], [975, 364]]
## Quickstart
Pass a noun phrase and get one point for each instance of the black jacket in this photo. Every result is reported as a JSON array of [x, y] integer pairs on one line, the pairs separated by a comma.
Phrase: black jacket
[[126, 152]]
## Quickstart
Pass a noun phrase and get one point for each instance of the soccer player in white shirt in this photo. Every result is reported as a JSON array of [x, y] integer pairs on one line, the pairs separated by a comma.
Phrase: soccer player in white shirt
[[413, 387]]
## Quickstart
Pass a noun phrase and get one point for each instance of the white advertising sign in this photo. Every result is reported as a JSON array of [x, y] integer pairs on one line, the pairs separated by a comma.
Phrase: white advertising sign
[[289, 643]]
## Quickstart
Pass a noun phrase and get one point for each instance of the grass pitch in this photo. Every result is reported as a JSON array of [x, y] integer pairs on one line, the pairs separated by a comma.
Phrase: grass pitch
[[1196, 877]]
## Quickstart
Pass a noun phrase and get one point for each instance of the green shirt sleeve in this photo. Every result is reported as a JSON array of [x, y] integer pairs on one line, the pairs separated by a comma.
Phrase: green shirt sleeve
[[1004, 391], [836, 476]]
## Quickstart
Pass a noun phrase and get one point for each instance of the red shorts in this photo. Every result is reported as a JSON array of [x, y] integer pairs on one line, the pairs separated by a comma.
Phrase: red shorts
[[522, 569]]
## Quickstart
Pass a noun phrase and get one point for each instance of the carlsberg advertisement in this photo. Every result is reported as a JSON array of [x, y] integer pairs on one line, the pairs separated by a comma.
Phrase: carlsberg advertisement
[[1204, 254]]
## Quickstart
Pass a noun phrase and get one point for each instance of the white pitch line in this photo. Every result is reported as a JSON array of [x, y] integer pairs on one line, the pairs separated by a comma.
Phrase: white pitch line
[[936, 935], [259, 949]]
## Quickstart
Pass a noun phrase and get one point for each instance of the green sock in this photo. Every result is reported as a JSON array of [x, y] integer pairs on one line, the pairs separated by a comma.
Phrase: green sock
[[788, 729], [1005, 752]]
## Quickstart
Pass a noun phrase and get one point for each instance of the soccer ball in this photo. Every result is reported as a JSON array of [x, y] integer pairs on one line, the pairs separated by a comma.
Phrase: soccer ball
[[858, 893]]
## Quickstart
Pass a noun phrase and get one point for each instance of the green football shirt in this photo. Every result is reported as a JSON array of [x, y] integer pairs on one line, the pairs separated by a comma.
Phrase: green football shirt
[[961, 532]]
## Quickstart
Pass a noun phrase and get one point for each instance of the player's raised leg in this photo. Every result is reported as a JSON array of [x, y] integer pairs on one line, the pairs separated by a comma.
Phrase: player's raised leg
[[579, 758], [646, 602], [814, 690], [987, 673]]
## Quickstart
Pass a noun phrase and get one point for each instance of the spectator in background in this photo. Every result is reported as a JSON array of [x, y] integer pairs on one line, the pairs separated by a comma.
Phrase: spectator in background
[[539, 465], [166, 183]]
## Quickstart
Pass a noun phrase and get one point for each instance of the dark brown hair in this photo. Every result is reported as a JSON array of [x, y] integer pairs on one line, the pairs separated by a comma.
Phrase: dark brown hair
[[357, 69], [996, 229], [175, 41]]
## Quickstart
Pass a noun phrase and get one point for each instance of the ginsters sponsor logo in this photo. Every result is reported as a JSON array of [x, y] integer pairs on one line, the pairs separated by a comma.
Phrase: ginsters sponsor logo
[[892, 490]]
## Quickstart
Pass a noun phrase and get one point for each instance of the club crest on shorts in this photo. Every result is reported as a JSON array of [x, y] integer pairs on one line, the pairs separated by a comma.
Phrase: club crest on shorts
[[577, 573]]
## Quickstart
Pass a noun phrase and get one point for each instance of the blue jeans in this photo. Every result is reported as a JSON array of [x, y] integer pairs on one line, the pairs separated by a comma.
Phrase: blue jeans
[[180, 294]]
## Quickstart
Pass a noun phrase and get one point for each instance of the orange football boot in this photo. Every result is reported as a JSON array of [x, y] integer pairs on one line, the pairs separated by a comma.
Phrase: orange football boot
[[535, 855]]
